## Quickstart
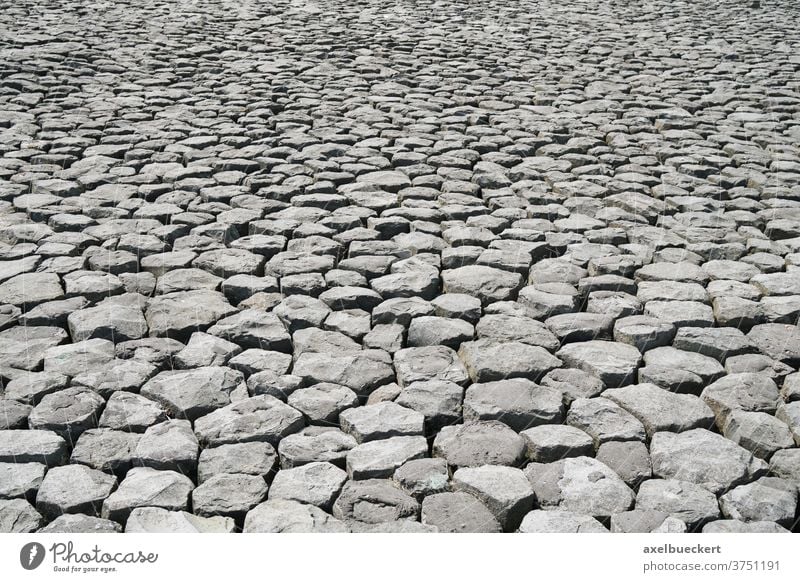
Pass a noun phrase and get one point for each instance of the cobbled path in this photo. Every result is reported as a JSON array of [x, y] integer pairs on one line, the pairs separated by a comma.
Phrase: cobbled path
[[399, 266]]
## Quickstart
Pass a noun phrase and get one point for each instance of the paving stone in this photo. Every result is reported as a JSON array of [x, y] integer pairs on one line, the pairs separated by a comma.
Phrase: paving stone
[[487, 360], [628, 459], [768, 499], [660, 410], [758, 432], [73, 489], [39, 446], [374, 501], [286, 516], [479, 443], [580, 484], [322, 403], [379, 458], [147, 487], [260, 418], [611, 362], [194, 393], [316, 483], [228, 495], [560, 521], [646, 521], [604, 420], [78, 523], [158, 520], [20, 480], [18, 516], [736, 526], [458, 512], [111, 451], [517, 402], [253, 458], [704, 458], [422, 477], [504, 490]]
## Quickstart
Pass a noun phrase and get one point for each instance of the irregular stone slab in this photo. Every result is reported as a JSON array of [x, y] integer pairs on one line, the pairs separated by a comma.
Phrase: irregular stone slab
[[438, 401], [560, 521], [429, 363], [111, 451], [643, 332], [158, 520], [229, 495], [67, 413], [744, 391], [315, 483], [736, 526], [18, 516], [519, 403], [778, 341], [260, 418], [549, 443], [708, 369], [380, 421], [717, 342], [758, 432], [117, 319], [326, 445], [480, 443], [20, 480], [458, 512], [375, 501], [147, 487], [30, 289], [604, 420], [170, 445], [646, 521], [194, 393], [251, 328], [254, 458], [768, 499], [286, 516], [380, 458], [422, 477], [130, 412], [75, 359], [362, 373], [487, 360], [33, 446], [613, 363], [504, 490], [25, 347], [660, 410], [322, 403], [702, 457], [73, 489], [573, 383], [580, 484], [177, 315], [486, 283], [628, 459], [78, 523], [691, 503]]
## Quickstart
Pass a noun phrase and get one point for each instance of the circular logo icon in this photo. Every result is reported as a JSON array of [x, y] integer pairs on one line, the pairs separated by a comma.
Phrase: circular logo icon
[[31, 555]]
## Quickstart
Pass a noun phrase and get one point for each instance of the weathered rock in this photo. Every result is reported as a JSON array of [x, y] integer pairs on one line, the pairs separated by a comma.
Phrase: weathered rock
[[479, 443], [580, 484], [458, 512], [158, 520], [316, 483], [704, 458], [73, 489]]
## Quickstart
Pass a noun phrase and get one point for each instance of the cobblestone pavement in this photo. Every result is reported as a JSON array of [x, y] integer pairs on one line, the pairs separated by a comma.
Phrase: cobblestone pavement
[[399, 266]]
